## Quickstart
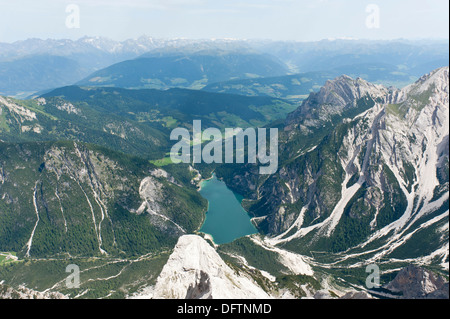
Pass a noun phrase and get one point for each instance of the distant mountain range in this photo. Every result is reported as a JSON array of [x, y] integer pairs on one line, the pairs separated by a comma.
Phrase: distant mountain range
[[187, 70], [35, 65]]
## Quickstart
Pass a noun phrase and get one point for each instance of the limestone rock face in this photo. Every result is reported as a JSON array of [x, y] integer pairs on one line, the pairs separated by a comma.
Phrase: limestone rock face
[[334, 97], [417, 283], [195, 270]]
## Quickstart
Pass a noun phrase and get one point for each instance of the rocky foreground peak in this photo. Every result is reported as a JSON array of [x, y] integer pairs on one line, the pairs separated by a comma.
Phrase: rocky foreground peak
[[195, 270]]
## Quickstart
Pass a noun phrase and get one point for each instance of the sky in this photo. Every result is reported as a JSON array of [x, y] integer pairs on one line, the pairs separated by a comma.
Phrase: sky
[[297, 20]]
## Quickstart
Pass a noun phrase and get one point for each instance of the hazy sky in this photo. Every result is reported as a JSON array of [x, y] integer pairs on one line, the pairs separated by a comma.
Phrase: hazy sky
[[261, 19]]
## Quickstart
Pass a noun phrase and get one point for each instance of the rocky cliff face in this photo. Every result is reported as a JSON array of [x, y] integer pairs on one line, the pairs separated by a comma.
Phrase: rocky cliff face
[[201, 288], [334, 98], [413, 282], [379, 179], [309, 173]]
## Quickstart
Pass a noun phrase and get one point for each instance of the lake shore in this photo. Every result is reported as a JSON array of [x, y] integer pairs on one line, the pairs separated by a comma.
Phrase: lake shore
[[202, 180], [225, 219]]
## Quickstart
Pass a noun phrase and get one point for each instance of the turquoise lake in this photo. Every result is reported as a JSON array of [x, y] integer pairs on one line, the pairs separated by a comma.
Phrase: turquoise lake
[[225, 220]]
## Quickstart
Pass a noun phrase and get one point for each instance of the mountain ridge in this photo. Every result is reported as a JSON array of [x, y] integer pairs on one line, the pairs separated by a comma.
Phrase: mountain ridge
[[185, 69]]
